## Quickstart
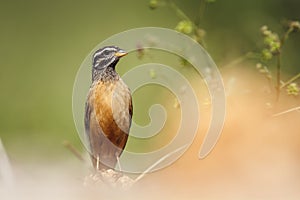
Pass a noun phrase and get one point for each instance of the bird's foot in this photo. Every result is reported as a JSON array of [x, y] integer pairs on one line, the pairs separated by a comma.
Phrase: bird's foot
[[109, 177]]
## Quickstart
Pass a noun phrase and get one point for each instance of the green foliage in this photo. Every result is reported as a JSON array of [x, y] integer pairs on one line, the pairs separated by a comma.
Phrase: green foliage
[[264, 70], [176, 103], [271, 40], [153, 4], [266, 54], [184, 26], [152, 73], [293, 89], [273, 48]]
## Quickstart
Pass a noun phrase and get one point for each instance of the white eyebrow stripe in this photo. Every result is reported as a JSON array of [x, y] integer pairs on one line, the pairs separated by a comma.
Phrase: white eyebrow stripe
[[100, 52], [97, 54]]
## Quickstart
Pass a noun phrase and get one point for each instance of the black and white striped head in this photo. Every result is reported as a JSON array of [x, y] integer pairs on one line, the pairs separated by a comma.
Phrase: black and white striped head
[[107, 57]]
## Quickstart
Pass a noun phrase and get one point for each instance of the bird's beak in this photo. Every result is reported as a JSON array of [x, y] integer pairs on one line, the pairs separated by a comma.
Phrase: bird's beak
[[120, 53]]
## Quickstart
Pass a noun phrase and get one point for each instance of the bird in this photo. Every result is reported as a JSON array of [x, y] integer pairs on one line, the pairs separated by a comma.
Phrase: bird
[[108, 109]]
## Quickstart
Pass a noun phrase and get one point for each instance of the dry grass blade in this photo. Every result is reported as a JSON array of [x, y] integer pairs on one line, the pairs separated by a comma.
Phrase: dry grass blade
[[159, 161], [287, 111], [6, 174], [76, 153]]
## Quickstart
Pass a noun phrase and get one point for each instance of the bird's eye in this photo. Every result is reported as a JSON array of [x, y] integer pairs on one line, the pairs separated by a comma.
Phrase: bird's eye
[[106, 53]]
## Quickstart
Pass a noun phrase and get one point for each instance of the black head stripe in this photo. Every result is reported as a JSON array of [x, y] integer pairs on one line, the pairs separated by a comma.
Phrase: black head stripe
[[104, 51]]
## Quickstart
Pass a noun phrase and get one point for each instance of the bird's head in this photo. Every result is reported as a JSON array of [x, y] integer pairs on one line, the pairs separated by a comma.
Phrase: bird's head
[[107, 57]]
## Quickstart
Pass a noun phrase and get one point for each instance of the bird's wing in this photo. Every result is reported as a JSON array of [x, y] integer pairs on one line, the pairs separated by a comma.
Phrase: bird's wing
[[122, 106], [130, 109], [87, 117]]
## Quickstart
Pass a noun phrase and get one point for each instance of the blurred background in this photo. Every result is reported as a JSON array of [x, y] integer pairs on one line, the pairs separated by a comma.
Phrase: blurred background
[[43, 43]]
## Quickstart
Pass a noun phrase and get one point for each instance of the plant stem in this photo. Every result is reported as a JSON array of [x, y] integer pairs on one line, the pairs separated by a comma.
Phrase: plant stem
[[282, 41], [287, 111], [278, 75], [160, 161], [6, 172], [285, 36], [180, 13], [290, 81], [242, 58], [76, 153], [201, 12]]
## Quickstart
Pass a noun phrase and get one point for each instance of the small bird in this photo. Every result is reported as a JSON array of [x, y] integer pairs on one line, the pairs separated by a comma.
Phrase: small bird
[[108, 109]]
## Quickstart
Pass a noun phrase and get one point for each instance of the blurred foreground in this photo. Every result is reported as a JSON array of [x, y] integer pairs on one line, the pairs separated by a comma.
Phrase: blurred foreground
[[257, 157]]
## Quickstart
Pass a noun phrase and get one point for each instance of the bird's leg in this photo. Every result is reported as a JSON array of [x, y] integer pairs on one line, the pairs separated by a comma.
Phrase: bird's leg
[[119, 163], [97, 167]]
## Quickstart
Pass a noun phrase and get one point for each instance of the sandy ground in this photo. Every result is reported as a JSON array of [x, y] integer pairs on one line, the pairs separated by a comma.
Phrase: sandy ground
[[257, 157]]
